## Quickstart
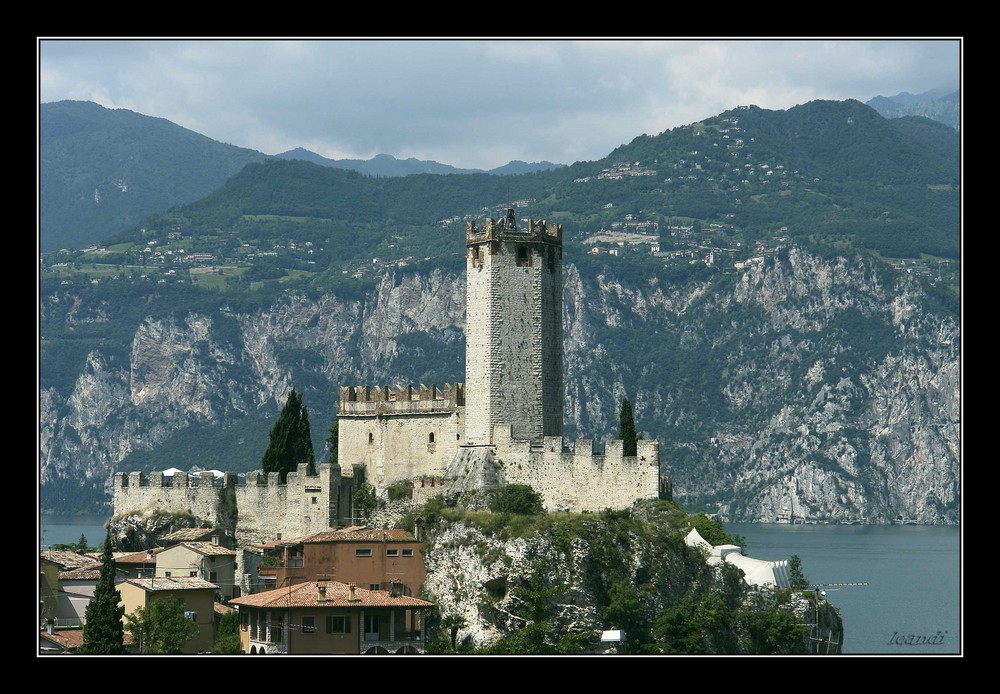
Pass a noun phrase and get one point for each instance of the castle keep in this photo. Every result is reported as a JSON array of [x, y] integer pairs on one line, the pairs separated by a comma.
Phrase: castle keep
[[502, 426], [505, 423], [513, 333]]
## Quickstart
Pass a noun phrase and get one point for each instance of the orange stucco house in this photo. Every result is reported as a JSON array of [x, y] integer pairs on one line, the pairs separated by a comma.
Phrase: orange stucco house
[[374, 559], [329, 617]]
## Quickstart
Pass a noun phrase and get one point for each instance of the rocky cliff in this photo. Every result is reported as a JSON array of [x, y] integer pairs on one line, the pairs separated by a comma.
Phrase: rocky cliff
[[584, 574], [801, 388]]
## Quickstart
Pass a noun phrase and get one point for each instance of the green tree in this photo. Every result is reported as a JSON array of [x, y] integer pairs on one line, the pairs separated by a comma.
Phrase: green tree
[[710, 530], [103, 632], [161, 627], [774, 631], [625, 611], [365, 500], [535, 600], [80, 546], [797, 578], [290, 439], [227, 640], [516, 498], [626, 429], [453, 623]]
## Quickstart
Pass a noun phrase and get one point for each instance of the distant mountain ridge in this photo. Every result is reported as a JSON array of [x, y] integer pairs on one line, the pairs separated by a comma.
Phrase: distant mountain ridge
[[102, 170], [938, 104], [388, 165]]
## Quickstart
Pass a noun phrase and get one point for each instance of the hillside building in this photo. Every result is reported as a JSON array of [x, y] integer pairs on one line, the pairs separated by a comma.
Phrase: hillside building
[[502, 425]]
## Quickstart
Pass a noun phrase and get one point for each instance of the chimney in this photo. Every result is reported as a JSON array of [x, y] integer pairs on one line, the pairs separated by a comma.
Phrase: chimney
[[215, 539], [321, 587], [50, 626], [149, 554], [353, 597]]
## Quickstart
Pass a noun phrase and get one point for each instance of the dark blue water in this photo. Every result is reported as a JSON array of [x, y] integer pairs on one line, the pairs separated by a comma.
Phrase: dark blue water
[[912, 603]]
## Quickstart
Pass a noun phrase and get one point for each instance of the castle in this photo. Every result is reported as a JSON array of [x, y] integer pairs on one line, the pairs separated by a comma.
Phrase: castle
[[502, 426]]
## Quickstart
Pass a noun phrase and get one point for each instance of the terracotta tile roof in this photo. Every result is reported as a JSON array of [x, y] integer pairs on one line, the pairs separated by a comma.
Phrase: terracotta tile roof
[[183, 583], [190, 534], [207, 548], [73, 638], [84, 573], [70, 639], [354, 533], [67, 560], [221, 609], [139, 557], [337, 595]]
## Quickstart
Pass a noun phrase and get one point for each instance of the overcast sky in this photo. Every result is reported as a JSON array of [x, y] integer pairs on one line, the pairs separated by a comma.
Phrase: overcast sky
[[474, 103]]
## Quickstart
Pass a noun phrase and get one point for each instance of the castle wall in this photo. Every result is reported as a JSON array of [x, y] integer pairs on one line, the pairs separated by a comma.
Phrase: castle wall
[[400, 434], [197, 494], [304, 504], [580, 480]]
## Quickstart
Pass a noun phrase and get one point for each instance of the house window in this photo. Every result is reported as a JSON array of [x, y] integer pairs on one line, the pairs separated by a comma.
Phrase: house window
[[314, 500], [308, 625], [371, 438], [392, 553], [407, 552], [371, 627], [167, 573], [430, 437], [366, 552], [213, 576], [374, 586], [338, 625], [193, 574], [523, 258]]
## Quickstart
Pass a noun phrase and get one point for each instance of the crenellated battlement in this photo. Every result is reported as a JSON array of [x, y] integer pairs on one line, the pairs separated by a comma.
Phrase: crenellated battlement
[[505, 229], [367, 400], [302, 504], [578, 477], [180, 480]]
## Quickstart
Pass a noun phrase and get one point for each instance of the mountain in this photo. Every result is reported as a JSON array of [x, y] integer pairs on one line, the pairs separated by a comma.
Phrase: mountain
[[102, 171], [388, 165], [939, 105], [794, 344]]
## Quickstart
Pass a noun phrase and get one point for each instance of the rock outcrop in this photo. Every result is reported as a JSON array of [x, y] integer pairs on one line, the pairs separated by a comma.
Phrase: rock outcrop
[[803, 388]]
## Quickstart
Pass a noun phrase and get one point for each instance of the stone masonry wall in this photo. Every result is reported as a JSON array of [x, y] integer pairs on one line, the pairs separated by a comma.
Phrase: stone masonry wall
[[580, 480], [265, 507], [397, 447], [142, 492], [513, 330]]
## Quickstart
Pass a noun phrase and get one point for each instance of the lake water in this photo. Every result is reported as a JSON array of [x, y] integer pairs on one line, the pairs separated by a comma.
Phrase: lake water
[[55, 530], [912, 601], [913, 576]]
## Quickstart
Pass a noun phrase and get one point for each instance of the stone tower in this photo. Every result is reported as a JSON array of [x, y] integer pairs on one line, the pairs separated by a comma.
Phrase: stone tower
[[514, 337]]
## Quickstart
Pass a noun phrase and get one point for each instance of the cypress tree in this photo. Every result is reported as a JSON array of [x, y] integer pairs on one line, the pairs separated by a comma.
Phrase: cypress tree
[[103, 630], [290, 439], [626, 429]]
